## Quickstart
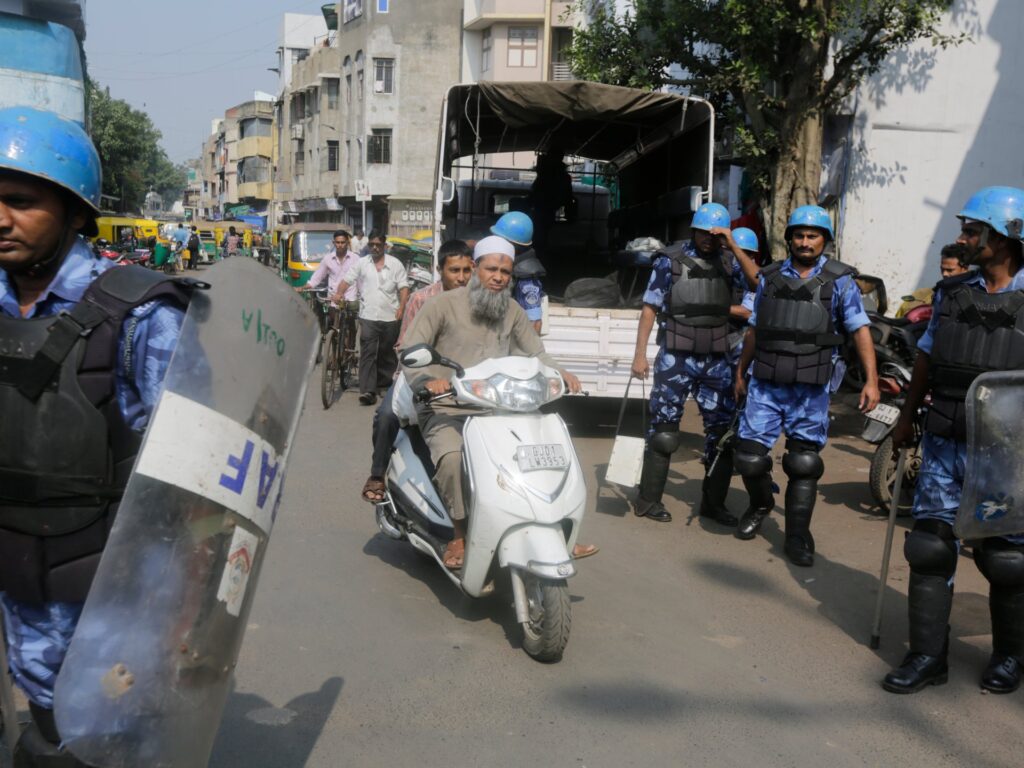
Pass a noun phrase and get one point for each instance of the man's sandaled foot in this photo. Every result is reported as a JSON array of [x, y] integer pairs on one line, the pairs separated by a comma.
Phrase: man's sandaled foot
[[584, 550], [454, 554], [373, 491]]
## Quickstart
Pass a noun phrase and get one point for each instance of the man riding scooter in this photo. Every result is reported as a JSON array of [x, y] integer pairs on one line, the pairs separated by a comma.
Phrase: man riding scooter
[[469, 325]]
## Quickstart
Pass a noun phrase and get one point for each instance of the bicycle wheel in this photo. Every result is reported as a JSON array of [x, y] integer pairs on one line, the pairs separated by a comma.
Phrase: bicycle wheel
[[329, 374], [348, 362]]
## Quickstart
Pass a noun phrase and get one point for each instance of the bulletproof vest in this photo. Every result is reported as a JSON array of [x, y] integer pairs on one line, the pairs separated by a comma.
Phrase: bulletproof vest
[[528, 265], [67, 451], [976, 332], [698, 308], [795, 334]]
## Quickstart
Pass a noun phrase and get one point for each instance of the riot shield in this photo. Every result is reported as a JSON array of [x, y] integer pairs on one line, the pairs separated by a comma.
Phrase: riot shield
[[992, 502], [149, 667]]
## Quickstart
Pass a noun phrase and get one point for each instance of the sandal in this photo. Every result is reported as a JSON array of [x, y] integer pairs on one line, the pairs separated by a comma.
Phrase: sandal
[[584, 550], [373, 491], [454, 554]]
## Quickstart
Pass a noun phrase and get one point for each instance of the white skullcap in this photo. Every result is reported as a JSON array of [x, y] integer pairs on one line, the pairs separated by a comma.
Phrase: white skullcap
[[494, 245]]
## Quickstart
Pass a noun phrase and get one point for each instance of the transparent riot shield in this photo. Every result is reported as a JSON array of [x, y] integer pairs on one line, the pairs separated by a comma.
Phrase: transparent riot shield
[[992, 502], [149, 667]]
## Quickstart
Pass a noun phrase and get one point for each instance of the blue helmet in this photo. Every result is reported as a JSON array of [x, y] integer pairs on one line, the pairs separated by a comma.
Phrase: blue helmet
[[1002, 208], [710, 215], [54, 149], [745, 239], [514, 226], [810, 216]]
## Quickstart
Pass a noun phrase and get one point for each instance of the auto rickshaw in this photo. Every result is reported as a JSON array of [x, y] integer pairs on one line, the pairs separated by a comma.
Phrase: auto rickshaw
[[301, 247], [417, 258], [242, 228]]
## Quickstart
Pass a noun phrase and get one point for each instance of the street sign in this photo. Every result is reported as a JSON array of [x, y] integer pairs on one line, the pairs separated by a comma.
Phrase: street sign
[[363, 191]]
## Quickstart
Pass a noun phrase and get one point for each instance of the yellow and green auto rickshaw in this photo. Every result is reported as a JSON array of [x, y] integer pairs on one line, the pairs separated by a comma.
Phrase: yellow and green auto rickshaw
[[242, 229], [301, 247]]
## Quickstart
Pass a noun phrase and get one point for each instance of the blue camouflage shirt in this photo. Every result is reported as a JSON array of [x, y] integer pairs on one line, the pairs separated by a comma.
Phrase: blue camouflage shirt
[[38, 634], [976, 280], [659, 286], [528, 294]]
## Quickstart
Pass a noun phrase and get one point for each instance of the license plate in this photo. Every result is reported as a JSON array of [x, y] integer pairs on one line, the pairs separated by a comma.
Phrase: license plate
[[533, 457], [886, 414]]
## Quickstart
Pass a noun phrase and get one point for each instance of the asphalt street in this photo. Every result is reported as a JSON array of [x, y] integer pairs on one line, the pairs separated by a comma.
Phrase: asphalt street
[[688, 646]]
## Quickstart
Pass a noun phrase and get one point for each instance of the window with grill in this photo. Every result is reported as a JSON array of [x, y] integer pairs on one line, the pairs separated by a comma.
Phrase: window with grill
[[359, 84], [332, 156], [253, 169], [332, 92], [348, 89], [378, 146], [485, 50], [383, 75], [522, 46], [253, 126], [299, 158]]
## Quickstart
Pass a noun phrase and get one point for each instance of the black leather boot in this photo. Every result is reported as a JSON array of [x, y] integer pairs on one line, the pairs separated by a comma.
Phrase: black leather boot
[[1003, 673], [799, 546], [652, 487], [714, 490], [930, 601], [39, 745]]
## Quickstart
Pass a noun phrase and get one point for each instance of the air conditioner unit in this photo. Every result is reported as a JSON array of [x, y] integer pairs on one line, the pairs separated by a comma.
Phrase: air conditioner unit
[[297, 131], [378, 86]]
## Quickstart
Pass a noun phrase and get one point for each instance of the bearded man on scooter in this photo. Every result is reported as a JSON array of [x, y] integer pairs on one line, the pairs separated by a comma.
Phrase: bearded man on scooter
[[469, 325]]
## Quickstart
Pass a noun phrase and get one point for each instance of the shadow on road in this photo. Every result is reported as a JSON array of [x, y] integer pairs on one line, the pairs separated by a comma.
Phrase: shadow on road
[[258, 734]]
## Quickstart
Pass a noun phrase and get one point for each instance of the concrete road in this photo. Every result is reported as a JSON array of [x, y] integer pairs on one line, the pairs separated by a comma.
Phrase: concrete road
[[688, 646]]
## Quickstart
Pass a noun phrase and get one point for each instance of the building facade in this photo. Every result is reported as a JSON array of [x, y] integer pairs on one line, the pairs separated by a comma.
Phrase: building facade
[[359, 112]]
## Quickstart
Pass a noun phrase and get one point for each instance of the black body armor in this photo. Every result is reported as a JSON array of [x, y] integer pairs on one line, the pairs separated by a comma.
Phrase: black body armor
[[67, 451], [698, 307], [976, 332], [795, 334]]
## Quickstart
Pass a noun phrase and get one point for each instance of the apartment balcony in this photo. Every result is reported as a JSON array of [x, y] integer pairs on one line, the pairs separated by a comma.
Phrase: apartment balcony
[[480, 14], [256, 146], [256, 190]]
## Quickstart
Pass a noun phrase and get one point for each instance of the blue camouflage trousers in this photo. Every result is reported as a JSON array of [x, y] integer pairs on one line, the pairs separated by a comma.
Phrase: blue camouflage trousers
[[798, 410], [708, 378], [940, 480]]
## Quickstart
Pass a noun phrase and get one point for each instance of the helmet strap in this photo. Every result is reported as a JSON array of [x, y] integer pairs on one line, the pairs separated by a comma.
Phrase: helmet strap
[[49, 266]]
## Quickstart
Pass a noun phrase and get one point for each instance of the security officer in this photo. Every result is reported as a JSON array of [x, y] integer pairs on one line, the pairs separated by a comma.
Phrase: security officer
[[690, 293], [802, 309], [528, 291], [83, 350], [978, 326]]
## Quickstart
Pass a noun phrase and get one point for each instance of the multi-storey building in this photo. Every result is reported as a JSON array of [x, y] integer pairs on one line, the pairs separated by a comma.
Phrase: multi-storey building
[[362, 106], [237, 161]]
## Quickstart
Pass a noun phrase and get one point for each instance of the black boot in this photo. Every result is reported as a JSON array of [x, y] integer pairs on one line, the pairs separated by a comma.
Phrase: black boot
[[39, 745], [799, 546], [930, 601], [652, 486], [1003, 673], [715, 489], [762, 502]]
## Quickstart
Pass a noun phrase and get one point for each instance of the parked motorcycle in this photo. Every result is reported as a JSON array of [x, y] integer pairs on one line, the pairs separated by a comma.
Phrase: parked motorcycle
[[893, 381], [174, 263], [524, 491], [895, 341]]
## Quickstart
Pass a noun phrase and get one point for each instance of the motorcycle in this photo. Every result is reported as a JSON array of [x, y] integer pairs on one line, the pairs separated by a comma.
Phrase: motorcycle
[[524, 491], [174, 263], [894, 381]]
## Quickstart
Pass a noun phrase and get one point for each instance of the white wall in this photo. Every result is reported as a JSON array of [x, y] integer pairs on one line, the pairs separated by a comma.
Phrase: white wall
[[930, 129]]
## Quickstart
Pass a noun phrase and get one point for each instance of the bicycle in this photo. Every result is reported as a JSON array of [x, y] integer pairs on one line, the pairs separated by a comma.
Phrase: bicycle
[[340, 363]]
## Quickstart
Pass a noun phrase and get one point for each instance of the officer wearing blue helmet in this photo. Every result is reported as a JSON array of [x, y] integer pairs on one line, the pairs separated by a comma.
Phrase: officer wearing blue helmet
[[691, 295], [802, 310], [977, 326], [83, 350], [528, 291]]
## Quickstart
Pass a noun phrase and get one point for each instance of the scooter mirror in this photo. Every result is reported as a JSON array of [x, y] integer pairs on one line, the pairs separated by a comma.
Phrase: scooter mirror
[[419, 356]]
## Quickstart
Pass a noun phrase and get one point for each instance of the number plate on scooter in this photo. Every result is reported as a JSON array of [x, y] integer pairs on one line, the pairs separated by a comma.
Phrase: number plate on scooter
[[886, 414], [549, 456]]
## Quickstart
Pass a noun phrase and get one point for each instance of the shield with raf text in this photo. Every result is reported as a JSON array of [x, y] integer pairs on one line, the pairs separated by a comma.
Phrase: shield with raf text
[[149, 667], [992, 502]]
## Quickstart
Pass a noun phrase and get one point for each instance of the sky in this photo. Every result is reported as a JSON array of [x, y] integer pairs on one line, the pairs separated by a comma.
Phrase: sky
[[185, 62]]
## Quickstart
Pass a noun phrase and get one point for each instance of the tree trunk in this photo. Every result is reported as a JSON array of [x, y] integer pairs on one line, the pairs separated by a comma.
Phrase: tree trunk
[[796, 178]]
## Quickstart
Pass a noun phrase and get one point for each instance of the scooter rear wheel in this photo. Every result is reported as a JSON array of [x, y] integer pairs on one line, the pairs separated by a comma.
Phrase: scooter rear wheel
[[546, 634], [882, 477]]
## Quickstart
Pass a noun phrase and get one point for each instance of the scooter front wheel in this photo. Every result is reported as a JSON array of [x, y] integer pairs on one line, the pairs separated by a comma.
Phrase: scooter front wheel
[[546, 633]]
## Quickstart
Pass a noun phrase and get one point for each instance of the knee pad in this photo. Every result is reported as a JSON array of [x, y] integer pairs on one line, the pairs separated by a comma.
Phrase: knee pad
[[930, 549], [802, 464], [665, 439], [1001, 562], [751, 459]]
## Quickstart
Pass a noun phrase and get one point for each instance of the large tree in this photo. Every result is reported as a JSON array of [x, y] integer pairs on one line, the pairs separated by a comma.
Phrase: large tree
[[773, 69], [129, 147]]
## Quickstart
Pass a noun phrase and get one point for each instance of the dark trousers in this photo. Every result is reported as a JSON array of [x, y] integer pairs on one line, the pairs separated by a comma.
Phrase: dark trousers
[[385, 430], [377, 358]]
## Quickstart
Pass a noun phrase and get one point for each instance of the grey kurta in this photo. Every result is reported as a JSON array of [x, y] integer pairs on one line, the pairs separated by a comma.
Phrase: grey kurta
[[446, 323]]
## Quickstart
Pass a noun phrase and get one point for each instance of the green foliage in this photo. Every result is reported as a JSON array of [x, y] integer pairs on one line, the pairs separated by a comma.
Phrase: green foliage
[[133, 160], [767, 65]]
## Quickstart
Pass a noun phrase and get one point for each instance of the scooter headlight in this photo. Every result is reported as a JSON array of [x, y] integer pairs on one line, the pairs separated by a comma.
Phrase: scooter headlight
[[512, 394]]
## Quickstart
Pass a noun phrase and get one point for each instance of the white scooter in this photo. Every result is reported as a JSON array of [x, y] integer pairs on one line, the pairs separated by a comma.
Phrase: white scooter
[[524, 491]]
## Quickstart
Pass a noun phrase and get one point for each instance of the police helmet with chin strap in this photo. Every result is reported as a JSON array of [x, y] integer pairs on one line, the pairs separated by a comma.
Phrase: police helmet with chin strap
[[1001, 208], [54, 149], [810, 216]]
